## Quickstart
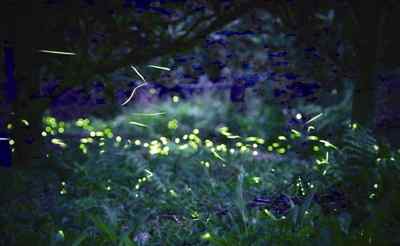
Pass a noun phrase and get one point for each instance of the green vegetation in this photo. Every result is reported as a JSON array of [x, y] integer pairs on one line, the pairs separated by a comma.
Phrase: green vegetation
[[179, 181]]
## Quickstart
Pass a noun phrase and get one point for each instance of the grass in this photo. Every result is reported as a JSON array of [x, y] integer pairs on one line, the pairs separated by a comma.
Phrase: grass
[[231, 179]]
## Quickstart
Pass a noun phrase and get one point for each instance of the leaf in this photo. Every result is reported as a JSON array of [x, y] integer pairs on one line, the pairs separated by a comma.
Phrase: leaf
[[125, 241], [104, 228], [80, 239]]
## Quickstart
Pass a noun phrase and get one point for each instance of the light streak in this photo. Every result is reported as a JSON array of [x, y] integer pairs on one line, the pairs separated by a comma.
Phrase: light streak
[[137, 124], [217, 155], [133, 92], [58, 52], [158, 67], [314, 118], [149, 114], [137, 72]]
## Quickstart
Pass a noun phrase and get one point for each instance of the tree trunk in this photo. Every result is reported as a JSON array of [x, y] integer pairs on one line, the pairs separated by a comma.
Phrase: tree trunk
[[358, 171], [24, 34], [367, 14]]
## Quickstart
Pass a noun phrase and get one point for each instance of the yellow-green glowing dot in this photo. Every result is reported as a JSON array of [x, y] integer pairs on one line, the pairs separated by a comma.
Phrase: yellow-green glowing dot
[[173, 124], [196, 131], [11, 142], [25, 122], [173, 193], [137, 142], [184, 146], [118, 139], [260, 141], [206, 236], [60, 130], [165, 150], [145, 145], [92, 134], [283, 138], [48, 129], [256, 180], [312, 138], [315, 148], [299, 116], [9, 126], [270, 148], [177, 140], [175, 99], [281, 151], [44, 134], [164, 140]]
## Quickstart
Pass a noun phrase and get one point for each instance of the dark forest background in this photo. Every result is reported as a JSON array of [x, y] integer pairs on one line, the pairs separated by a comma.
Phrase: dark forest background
[[252, 122]]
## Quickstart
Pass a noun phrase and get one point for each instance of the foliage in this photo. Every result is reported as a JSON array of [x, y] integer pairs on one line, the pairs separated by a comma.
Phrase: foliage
[[217, 186]]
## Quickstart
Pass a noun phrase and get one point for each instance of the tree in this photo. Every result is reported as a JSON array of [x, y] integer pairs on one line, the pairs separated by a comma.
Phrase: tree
[[134, 33]]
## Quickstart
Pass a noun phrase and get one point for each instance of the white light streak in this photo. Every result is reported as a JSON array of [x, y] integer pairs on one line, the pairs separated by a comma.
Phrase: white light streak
[[314, 118], [137, 72], [137, 124], [133, 92], [149, 114], [58, 52], [158, 67]]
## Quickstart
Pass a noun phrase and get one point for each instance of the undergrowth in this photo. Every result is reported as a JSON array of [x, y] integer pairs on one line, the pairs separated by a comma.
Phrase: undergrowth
[[198, 174]]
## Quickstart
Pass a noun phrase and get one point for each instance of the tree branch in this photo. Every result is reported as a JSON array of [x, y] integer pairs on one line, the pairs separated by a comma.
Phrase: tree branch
[[143, 56]]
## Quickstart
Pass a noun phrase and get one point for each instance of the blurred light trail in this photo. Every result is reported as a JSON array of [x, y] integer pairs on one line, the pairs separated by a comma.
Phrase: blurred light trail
[[58, 52]]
